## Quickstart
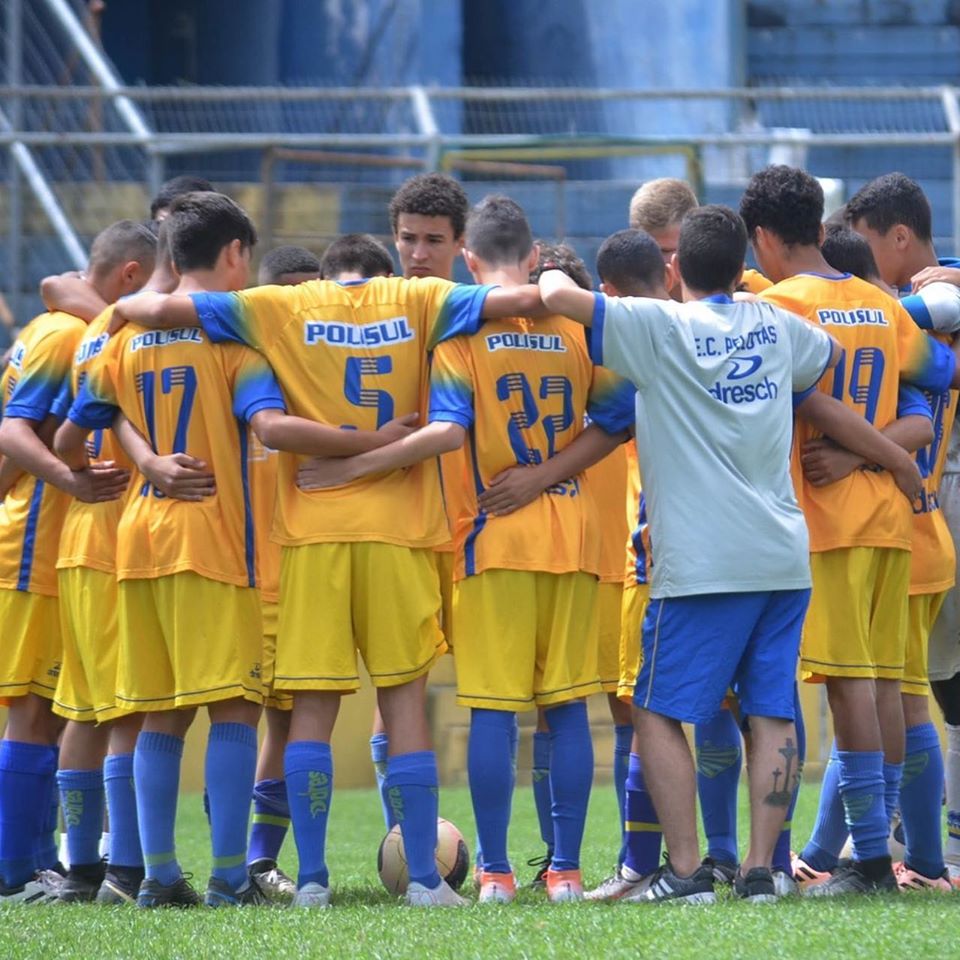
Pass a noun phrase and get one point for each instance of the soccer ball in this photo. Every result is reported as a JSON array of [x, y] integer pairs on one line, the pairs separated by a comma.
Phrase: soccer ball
[[453, 860]]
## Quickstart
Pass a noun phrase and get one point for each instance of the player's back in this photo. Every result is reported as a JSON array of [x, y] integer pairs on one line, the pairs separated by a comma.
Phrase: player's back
[[881, 343], [607, 482], [33, 511], [185, 395], [522, 389]]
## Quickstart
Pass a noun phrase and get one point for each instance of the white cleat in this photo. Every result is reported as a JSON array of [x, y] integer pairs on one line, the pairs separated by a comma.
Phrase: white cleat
[[784, 885], [312, 895], [32, 893], [276, 885], [440, 896], [620, 886]]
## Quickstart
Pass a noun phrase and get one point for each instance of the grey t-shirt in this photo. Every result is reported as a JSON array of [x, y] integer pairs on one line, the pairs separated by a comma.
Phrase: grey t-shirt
[[715, 382]]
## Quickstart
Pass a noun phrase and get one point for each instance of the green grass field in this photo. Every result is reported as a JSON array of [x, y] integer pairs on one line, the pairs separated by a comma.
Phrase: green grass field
[[366, 922]]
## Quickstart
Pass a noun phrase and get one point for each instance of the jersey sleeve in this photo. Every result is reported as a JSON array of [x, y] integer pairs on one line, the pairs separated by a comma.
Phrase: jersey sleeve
[[252, 317], [936, 307], [255, 386], [64, 398], [46, 367], [912, 402], [451, 385], [625, 336], [810, 351], [448, 309], [97, 400], [924, 362], [611, 402]]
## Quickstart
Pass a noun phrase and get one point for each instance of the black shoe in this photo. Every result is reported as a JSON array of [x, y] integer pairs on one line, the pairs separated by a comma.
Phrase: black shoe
[[153, 893], [81, 883], [667, 886], [221, 894], [539, 882], [724, 871], [120, 885], [757, 886], [858, 877]]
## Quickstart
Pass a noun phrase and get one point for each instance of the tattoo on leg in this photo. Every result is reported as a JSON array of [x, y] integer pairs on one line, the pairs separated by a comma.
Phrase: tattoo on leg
[[784, 781]]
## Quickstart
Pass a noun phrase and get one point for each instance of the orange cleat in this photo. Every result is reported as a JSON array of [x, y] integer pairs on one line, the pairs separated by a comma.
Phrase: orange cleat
[[497, 888], [908, 879], [804, 875], [564, 886]]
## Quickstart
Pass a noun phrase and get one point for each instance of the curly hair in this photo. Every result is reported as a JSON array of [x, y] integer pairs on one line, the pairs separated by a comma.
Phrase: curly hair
[[786, 201], [431, 195], [565, 257], [891, 199], [848, 252]]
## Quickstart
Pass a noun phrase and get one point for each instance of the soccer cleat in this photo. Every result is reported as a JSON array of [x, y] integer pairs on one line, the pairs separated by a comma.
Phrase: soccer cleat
[[953, 874], [219, 893], [50, 880], [440, 896], [724, 871], [543, 865], [858, 877], [783, 884], [564, 886], [667, 887], [273, 881], [78, 888], [624, 883], [757, 886], [804, 875], [311, 895], [32, 893], [153, 894], [908, 879], [120, 886], [497, 888]]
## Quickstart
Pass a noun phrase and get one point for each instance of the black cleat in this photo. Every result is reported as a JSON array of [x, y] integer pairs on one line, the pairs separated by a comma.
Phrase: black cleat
[[153, 893], [724, 871], [666, 886], [221, 894], [120, 886], [81, 883], [858, 877], [757, 886]]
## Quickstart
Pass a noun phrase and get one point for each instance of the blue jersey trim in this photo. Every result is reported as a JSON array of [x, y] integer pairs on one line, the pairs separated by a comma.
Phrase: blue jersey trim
[[917, 309], [595, 342], [248, 534], [640, 568], [823, 276], [216, 314], [30, 537], [264, 403], [451, 416], [718, 298], [480, 520]]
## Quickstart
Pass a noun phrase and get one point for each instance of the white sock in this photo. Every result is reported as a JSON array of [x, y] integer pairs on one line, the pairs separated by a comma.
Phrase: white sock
[[952, 777]]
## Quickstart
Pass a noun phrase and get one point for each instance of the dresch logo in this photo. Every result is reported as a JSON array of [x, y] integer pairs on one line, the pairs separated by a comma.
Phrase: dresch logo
[[734, 392]]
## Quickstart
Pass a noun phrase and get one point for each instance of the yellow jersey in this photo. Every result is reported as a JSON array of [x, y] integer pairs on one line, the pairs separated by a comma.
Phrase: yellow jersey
[[89, 537], [882, 345], [354, 356], [753, 281], [32, 514], [263, 464], [185, 395], [607, 482], [522, 390]]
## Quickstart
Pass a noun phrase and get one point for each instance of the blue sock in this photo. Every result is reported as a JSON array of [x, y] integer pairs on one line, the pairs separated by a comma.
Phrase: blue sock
[[719, 758], [46, 848], [921, 794], [122, 806], [230, 769], [25, 770], [271, 820], [641, 824], [862, 790], [412, 785], [378, 754], [308, 766], [82, 800], [490, 771], [830, 830], [892, 775], [542, 798], [781, 851], [571, 775], [622, 736], [156, 775]]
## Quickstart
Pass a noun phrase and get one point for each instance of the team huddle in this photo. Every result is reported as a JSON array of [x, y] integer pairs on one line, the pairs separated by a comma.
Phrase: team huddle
[[689, 490]]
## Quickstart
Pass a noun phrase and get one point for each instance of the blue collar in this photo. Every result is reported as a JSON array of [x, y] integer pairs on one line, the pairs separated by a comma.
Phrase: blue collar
[[718, 298]]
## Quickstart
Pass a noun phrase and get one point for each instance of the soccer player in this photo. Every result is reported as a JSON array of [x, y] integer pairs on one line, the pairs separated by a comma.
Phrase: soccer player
[[355, 256], [893, 215], [362, 363], [720, 615], [288, 266], [176, 187], [658, 208], [860, 528], [30, 525]]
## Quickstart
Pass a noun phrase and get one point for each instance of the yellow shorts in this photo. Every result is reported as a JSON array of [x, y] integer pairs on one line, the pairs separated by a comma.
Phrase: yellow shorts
[[444, 561], [609, 608], [636, 596], [923, 609], [30, 645], [525, 639], [270, 612], [340, 599], [186, 640], [87, 687], [856, 625]]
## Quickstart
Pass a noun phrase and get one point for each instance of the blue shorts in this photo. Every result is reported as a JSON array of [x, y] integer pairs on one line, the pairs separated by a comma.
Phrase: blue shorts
[[695, 648]]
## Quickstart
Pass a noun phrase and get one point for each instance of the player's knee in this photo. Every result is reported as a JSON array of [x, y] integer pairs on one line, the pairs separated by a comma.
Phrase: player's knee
[[947, 694], [916, 710], [30, 720]]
